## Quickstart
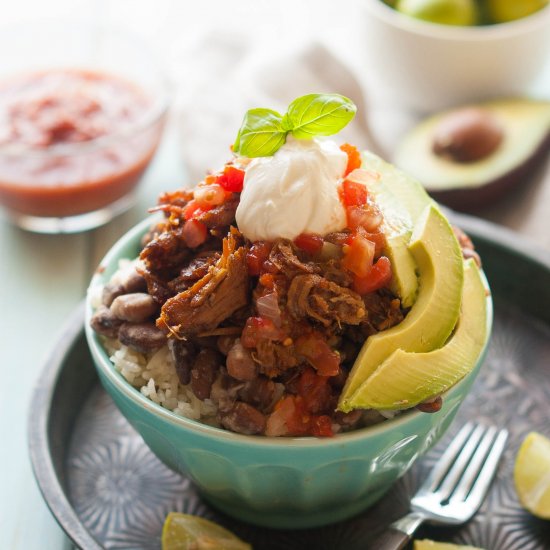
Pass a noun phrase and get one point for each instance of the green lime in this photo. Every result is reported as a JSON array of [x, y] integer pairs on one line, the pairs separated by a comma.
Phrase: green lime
[[433, 545], [187, 532], [532, 475], [444, 12], [502, 11]]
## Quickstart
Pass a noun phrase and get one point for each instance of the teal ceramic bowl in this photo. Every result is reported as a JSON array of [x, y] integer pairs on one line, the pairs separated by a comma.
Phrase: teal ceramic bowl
[[274, 482]]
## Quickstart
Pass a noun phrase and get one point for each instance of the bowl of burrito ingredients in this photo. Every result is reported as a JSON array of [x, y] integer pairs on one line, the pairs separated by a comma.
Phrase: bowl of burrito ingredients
[[295, 330]]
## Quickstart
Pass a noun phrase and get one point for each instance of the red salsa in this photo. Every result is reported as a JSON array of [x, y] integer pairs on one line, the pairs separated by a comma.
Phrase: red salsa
[[71, 141]]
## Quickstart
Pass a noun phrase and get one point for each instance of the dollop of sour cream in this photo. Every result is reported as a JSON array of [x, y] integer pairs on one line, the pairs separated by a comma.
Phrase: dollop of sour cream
[[295, 191]]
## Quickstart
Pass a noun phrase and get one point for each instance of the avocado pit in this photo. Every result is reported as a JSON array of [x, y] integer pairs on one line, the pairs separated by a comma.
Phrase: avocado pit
[[467, 135]]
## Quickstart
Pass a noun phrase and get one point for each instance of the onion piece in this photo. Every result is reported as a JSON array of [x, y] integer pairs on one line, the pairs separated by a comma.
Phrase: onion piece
[[268, 308]]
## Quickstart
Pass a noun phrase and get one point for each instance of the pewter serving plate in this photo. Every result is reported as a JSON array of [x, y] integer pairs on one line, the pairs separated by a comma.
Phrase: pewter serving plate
[[107, 490]]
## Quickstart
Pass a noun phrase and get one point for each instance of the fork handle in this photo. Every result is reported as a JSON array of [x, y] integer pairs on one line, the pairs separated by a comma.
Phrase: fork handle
[[398, 534]]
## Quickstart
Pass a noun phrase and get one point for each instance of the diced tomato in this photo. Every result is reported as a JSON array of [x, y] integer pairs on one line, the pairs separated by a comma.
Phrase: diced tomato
[[256, 256], [367, 216], [366, 177], [193, 209], [379, 276], [353, 193], [378, 238], [290, 417], [298, 422], [267, 280], [232, 179], [354, 157], [314, 389], [359, 255], [276, 425], [194, 233], [208, 196], [321, 426], [258, 328], [309, 242], [319, 354]]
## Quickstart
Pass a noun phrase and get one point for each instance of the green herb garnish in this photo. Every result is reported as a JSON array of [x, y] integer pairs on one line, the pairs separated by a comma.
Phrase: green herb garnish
[[264, 131]]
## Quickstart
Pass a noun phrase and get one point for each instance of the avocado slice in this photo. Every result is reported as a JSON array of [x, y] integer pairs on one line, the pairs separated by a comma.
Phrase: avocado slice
[[435, 312], [402, 201], [406, 379], [468, 186]]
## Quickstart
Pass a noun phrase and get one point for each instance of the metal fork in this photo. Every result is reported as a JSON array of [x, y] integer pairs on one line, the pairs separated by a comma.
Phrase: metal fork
[[456, 486]]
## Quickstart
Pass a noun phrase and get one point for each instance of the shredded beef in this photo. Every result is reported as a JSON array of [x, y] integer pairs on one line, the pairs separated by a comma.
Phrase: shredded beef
[[213, 298], [284, 258], [324, 301], [196, 269], [222, 215], [274, 357]]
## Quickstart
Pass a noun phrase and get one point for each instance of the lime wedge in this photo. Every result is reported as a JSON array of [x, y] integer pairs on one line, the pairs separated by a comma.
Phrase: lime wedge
[[532, 475], [433, 545], [187, 532]]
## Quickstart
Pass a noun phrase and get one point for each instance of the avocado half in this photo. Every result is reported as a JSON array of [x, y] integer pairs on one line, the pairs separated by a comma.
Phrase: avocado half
[[469, 185]]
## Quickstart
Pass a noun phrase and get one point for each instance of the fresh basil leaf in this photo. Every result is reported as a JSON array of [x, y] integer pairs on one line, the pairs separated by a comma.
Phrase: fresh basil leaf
[[319, 115], [261, 134]]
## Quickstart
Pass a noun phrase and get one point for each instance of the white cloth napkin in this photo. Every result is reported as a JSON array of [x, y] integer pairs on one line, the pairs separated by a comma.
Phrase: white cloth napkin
[[225, 76]]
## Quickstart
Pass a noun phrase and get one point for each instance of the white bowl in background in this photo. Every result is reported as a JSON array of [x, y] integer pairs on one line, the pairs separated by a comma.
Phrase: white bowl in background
[[428, 67]]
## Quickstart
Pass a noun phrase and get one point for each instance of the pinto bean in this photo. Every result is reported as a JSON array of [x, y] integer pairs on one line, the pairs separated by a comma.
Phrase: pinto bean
[[204, 371], [430, 406], [348, 420], [259, 392], [143, 337], [225, 343], [110, 292], [471, 253], [104, 322], [184, 353], [135, 308], [244, 419], [240, 364], [132, 282]]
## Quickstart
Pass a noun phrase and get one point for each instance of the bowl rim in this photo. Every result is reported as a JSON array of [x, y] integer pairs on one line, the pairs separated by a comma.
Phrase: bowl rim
[[482, 33], [154, 112], [104, 364]]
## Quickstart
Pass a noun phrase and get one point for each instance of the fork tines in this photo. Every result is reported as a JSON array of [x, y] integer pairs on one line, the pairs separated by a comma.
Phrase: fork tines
[[464, 472]]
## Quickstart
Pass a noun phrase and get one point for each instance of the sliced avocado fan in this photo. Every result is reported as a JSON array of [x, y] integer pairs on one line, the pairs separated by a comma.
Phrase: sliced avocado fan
[[433, 316], [406, 379]]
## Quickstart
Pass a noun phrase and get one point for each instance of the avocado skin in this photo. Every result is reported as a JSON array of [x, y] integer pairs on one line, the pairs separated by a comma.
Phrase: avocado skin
[[475, 199]]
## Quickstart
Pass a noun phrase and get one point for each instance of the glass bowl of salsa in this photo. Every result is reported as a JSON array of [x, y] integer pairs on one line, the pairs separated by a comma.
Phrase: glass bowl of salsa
[[82, 109]]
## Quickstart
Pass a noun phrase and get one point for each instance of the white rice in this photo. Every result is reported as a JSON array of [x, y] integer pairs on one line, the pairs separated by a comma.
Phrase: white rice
[[156, 378]]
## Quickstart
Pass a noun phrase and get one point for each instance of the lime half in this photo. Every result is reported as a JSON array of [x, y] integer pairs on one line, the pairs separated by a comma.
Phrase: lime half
[[187, 532], [532, 475], [433, 545]]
